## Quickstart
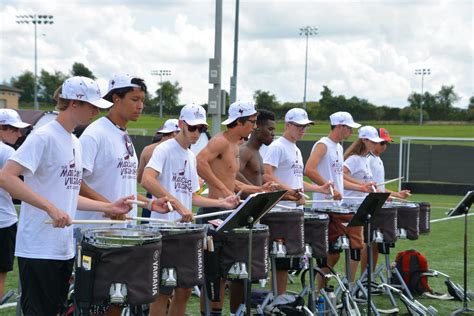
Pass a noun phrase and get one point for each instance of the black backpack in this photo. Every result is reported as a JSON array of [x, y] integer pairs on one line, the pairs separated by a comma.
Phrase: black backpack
[[411, 264]]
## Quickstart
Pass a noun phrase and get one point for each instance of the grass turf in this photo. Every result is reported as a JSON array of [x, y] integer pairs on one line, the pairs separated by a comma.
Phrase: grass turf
[[443, 248]]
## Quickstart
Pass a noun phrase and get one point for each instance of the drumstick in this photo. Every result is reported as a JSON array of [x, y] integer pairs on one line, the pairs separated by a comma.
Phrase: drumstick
[[285, 207], [170, 207], [390, 181], [239, 193], [331, 190], [304, 195], [213, 214], [91, 221], [139, 203], [373, 188], [158, 220]]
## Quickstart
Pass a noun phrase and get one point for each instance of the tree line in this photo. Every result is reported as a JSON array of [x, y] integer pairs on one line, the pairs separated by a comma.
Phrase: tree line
[[436, 107]]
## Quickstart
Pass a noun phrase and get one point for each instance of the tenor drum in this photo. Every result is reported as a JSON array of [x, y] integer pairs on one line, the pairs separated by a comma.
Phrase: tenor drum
[[182, 257], [231, 248], [316, 233], [287, 228], [118, 265]]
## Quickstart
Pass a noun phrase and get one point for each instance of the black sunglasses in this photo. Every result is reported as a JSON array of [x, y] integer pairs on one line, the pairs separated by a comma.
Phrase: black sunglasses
[[384, 143], [129, 144], [200, 128]]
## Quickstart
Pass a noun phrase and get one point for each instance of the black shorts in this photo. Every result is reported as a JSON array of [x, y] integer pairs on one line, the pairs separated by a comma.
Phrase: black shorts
[[44, 284], [7, 247], [292, 263]]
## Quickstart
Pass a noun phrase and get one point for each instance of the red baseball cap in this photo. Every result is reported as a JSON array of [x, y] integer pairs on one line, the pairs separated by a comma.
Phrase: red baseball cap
[[383, 133]]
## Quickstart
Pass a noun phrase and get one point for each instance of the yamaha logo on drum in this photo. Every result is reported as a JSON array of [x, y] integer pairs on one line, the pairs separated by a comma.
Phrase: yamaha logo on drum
[[200, 260], [155, 269]]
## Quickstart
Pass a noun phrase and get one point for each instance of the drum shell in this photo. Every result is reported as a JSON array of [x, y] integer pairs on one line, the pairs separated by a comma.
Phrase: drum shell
[[136, 266], [232, 247], [316, 233], [408, 217], [289, 226], [182, 249], [386, 221], [425, 217]]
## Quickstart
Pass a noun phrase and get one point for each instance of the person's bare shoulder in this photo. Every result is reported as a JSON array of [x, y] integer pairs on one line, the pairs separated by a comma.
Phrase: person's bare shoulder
[[147, 152], [218, 144]]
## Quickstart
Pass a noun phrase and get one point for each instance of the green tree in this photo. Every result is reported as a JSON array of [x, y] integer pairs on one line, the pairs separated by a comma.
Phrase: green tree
[[265, 100], [49, 82], [79, 69], [170, 94], [25, 82]]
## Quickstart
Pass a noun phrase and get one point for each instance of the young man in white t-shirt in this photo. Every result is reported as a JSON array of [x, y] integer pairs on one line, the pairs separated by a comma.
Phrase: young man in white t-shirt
[[51, 162], [172, 172], [283, 164], [109, 159], [10, 130]]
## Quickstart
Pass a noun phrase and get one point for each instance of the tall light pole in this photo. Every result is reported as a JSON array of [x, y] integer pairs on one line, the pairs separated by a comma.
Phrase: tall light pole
[[233, 79], [161, 73], [422, 72], [307, 31], [35, 19]]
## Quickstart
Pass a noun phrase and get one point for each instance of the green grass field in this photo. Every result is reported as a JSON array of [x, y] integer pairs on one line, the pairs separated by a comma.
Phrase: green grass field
[[443, 248]]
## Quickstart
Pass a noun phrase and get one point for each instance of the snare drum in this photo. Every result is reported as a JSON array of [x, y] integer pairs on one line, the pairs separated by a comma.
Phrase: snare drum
[[118, 265], [316, 233], [287, 229], [339, 216], [384, 224], [408, 219], [232, 252], [182, 257], [425, 216]]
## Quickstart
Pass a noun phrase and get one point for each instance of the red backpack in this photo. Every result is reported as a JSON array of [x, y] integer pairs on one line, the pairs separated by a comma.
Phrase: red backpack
[[411, 264]]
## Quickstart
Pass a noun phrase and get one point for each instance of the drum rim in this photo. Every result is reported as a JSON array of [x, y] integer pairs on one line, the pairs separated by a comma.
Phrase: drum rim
[[90, 236]]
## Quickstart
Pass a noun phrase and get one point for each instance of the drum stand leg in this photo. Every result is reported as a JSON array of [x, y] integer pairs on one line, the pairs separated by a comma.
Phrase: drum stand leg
[[248, 281], [311, 297], [207, 307]]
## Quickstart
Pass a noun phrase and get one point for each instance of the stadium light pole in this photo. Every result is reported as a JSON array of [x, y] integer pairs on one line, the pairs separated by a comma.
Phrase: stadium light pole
[[307, 31], [422, 72], [35, 20], [161, 73]]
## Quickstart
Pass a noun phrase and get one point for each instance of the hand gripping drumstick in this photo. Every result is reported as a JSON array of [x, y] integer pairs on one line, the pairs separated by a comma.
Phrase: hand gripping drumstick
[[331, 189], [139, 203]]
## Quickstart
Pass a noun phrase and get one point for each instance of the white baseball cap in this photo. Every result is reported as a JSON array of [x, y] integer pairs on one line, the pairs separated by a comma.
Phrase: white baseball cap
[[122, 80], [84, 89], [239, 109], [193, 114], [343, 118], [12, 118], [298, 116], [170, 126], [370, 133]]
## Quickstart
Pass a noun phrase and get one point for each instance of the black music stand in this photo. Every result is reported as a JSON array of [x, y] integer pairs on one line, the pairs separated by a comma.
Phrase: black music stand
[[371, 204], [463, 209], [247, 214]]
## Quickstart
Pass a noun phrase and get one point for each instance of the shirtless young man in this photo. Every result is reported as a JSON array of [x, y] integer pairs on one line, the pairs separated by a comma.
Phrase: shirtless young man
[[218, 162], [251, 162]]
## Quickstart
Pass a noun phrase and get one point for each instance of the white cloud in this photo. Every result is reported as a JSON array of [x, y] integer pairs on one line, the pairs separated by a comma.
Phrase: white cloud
[[364, 48]]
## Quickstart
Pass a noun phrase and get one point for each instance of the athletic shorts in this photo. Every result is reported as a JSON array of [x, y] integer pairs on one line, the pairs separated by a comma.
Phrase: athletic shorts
[[44, 285], [7, 247]]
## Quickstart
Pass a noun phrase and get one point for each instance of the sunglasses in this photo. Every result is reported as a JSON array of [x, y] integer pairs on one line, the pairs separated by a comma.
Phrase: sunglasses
[[384, 143], [129, 144], [299, 126], [200, 128]]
